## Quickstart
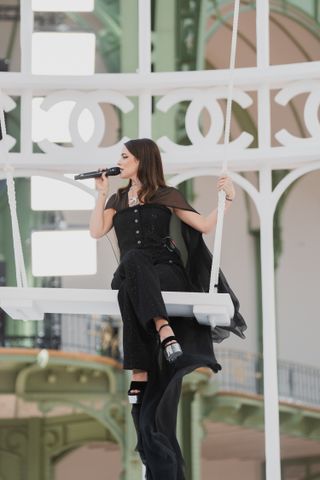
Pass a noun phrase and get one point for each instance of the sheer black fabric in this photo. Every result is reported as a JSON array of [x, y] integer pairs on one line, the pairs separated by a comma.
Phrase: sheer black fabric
[[149, 263]]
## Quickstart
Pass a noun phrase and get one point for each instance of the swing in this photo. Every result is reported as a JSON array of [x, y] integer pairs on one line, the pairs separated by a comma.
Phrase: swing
[[24, 303]]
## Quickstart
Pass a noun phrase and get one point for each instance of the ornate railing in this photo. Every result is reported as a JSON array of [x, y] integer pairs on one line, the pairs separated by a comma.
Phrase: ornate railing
[[242, 371], [97, 335]]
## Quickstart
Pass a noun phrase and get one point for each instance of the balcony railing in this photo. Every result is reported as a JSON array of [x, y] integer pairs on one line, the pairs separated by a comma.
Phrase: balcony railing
[[98, 335], [242, 371]]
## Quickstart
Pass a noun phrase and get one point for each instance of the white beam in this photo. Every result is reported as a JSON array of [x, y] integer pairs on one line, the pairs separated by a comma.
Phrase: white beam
[[270, 372], [246, 160], [248, 78], [26, 30], [21, 303], [144, 36]]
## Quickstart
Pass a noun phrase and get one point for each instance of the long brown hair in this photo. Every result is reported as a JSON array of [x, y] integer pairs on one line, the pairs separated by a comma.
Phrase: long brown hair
[[150, 171]]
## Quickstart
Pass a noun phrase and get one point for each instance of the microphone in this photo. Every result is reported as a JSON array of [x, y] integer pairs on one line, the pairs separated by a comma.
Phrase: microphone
[[108, 171]]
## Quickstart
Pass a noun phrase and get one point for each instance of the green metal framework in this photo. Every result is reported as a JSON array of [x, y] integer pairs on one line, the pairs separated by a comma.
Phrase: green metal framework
[[96, 389]]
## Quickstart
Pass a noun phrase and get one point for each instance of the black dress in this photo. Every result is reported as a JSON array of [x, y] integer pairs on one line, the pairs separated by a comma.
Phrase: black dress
[[150, 263]]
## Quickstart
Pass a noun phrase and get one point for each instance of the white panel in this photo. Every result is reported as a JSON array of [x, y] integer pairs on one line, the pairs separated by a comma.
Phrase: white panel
[[26, 29], [53, 124], [58, 253], [63, 53], [50, 194], [63, 5]]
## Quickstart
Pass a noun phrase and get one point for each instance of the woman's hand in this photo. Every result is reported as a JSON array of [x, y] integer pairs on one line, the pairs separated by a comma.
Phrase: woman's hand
[[225, 184], [102, 183], [101, 219], [207, 224]]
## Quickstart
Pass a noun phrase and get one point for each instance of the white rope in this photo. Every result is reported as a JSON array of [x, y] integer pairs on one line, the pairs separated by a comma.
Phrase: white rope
[[17, 245], [221, 196]]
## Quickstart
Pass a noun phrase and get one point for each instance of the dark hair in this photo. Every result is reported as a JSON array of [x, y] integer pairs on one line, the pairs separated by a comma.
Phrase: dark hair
[[150, 171]]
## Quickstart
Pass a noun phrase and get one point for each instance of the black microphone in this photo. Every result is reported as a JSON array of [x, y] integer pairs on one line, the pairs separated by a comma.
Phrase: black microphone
[[108, 171]]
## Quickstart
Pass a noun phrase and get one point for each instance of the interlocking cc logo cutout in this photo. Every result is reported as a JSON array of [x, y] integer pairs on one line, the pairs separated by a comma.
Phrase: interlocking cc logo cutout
[[311, 111], [89, 101], [199, 100]]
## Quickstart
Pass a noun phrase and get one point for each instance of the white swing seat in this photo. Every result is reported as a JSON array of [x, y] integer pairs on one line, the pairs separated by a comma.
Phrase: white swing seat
[[21, 303]]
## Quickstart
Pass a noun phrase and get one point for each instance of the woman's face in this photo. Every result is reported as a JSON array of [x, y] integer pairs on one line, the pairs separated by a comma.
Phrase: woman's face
[[128, 164]]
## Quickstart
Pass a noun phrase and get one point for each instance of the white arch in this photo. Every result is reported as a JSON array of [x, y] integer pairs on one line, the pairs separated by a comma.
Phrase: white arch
[[45, 173], [289, 179], [236, 177]]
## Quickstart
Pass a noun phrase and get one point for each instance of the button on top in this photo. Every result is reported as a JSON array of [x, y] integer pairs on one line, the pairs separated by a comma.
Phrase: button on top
[[135, 210]]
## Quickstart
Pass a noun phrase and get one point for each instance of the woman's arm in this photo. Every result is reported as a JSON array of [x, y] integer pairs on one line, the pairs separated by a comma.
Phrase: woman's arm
[[207, 224], [101, 220]]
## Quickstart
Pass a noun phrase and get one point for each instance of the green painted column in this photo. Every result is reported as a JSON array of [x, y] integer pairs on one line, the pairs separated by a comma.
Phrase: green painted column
[[192, 433], [34, 448], [196, 436], [132, 466]]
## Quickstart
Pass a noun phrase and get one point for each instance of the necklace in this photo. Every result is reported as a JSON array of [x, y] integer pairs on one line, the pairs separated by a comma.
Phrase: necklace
[[133, 199]]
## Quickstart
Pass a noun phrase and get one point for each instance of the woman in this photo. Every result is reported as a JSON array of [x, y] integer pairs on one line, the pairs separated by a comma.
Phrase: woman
[[150, 262]]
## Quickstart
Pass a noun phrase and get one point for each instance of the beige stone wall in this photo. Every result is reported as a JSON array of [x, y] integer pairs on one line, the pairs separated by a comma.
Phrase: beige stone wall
[[95, 461], [297, 279]]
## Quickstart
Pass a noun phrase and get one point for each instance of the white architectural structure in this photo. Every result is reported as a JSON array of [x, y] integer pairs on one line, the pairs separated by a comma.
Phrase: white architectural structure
[[204, 156]]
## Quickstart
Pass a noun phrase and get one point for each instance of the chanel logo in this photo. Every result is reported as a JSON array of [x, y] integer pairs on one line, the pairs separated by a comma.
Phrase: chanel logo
[[200, 100], [311, 111], [84, 101]]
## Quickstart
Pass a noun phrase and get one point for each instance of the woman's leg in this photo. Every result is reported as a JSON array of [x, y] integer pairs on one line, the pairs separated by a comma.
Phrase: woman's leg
[[142, 375], [138, 376], [163, 328], [140, 301]]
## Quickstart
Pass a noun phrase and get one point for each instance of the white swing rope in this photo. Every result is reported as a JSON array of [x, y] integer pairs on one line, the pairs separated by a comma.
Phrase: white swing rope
[[21, 275], [222, 196]]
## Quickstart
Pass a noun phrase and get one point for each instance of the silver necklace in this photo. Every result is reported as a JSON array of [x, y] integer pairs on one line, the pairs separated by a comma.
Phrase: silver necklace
[[133, 199]]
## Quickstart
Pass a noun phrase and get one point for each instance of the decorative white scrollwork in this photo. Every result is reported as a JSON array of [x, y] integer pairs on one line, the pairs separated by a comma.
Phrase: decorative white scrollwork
[[85, 101], [6, 105], [311, 111], [200, 100]]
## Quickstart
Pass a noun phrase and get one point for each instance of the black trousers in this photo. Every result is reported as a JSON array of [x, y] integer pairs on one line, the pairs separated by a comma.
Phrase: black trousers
[[140, 277]]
